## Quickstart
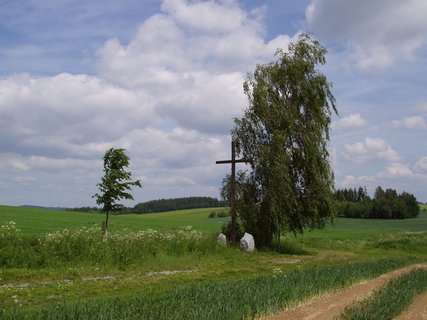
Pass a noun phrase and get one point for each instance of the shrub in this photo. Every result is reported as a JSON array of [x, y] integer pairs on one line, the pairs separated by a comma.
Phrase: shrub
[[223, 214], [226, 229]]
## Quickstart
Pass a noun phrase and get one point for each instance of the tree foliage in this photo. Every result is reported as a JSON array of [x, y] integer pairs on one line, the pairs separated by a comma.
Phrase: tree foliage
[[386, 204], [163, 205], [115, 183], [284, 132]]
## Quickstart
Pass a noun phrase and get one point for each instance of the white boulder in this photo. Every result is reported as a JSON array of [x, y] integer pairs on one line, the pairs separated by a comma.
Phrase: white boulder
[[247, 243]]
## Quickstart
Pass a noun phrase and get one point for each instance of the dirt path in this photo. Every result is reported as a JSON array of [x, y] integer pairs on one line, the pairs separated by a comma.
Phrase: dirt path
[[331, 305], [417, 310]]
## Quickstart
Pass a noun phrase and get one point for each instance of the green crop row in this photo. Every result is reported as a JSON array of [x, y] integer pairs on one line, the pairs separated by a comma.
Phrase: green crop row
[[238, 299], [391, 300]]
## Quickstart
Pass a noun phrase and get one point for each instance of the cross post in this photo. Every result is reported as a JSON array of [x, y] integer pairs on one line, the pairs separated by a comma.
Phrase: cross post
[[233, 206]]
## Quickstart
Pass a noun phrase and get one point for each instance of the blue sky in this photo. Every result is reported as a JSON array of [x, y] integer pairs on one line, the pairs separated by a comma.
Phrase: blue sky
[[163, 79]]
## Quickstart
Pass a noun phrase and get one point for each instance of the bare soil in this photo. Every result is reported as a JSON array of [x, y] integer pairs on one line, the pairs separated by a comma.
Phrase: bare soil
[[331, 305]]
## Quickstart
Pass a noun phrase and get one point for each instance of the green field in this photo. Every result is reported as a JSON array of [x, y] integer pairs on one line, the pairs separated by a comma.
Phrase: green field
[[43, 269], [35, 221]]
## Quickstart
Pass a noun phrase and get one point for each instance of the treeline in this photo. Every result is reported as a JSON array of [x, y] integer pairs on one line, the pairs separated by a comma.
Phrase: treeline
[[84, 209], [163, 205], [386, 204], [177, 204]]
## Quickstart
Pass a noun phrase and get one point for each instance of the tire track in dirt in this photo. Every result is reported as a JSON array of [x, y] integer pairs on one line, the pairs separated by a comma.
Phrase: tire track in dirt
[[331, 305]]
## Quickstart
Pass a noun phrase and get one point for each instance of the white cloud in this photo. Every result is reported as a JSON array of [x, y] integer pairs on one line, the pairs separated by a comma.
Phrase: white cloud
[[376, 34], [192, 64], [168, 96], [351, 181], [396, 170], [350, 121], [413, 122], [421, 165], [206, 16], [370, 149], [67, 114], [164, 49]]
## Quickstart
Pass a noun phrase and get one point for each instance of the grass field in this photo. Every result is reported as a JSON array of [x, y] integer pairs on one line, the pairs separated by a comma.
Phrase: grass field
[[41, 267], [35, 221]]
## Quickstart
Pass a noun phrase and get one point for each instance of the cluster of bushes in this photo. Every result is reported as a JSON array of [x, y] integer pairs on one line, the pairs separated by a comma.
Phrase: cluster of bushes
[[386, 204], [85, 246], [220, 214]]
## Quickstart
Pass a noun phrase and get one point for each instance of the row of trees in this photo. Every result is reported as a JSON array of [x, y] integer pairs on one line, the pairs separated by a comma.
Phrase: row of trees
[[163, 205], [386, 204]]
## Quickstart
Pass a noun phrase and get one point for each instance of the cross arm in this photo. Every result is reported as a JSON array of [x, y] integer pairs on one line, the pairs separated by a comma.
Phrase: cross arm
[[233, 161]]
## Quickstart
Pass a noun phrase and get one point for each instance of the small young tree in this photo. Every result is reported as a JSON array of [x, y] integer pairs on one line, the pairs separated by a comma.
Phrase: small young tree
[[115, 183]]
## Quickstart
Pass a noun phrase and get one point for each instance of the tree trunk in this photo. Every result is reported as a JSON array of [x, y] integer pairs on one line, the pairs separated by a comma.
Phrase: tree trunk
[[106, 226]]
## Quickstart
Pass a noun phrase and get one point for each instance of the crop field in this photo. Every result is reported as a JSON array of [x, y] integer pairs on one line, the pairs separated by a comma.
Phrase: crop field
[[54, 264], [37, 221]]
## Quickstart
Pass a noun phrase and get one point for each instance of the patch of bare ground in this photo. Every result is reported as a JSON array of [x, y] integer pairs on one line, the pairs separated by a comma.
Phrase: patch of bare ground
[[331, 305], [417, 310]]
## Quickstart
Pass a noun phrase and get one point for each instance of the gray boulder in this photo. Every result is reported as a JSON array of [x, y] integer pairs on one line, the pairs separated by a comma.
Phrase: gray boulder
[[222, 239]]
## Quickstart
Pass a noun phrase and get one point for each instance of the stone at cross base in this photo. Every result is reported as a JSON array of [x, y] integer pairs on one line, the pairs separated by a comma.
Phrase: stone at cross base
[[222, 239], [247, 243]]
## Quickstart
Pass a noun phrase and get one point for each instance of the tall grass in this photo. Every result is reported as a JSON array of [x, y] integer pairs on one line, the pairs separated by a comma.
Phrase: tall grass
[[85, 246], [391, 300], [238, 299]]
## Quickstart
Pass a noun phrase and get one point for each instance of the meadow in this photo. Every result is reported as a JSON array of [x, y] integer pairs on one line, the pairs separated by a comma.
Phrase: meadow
[[54, 263], [36, 221]]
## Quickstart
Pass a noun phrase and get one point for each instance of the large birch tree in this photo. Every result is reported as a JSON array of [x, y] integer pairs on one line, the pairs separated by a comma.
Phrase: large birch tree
[[284, 132]]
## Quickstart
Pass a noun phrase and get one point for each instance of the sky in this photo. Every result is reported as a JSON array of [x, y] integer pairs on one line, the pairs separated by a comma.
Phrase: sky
[[163, 79]]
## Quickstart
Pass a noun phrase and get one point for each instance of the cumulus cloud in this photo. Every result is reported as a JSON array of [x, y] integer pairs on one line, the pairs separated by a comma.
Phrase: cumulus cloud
[[413, 122], [182, 40], [421, 165], [168, 96], [352, 181], [375, 34], [206, 16], [350, 121], [192, 63], [67, 114], [396, 170], [370, 149]]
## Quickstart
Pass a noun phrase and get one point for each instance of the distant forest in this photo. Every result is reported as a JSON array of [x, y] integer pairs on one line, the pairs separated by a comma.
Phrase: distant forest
[[163, 205], [386, 204]]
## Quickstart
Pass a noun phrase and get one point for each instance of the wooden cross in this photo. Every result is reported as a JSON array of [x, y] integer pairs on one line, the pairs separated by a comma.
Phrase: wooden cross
[[233, 162]]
